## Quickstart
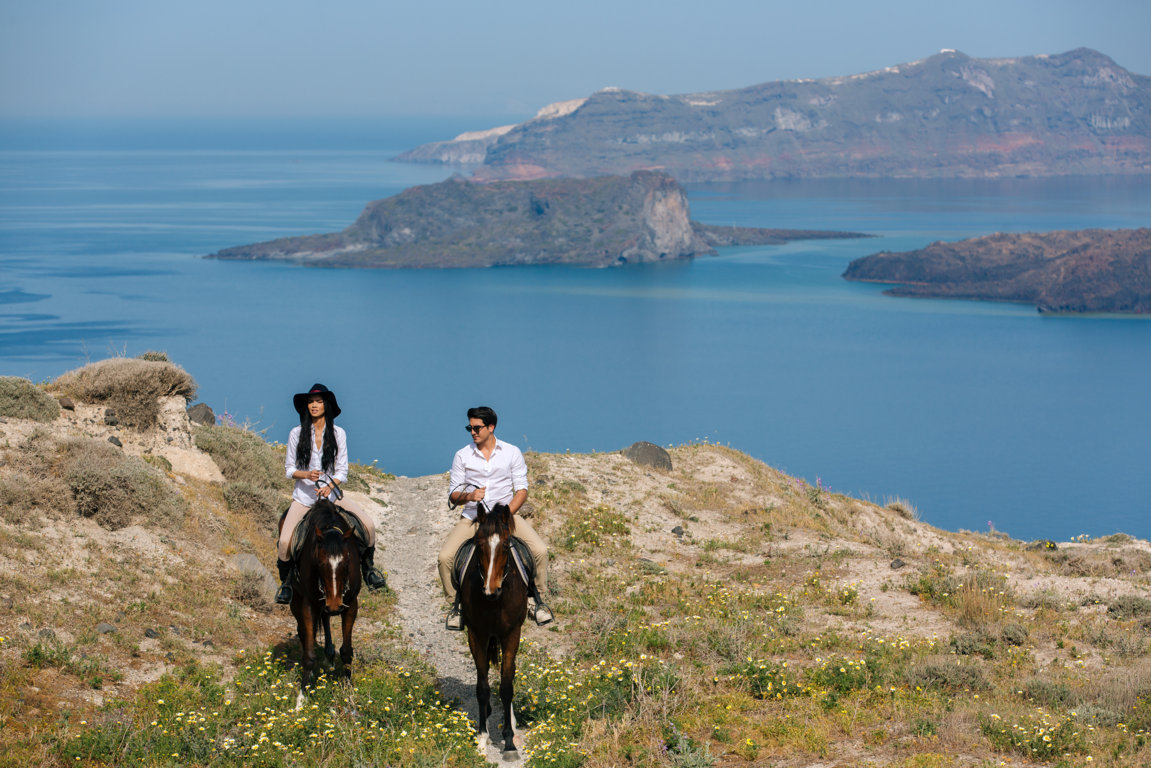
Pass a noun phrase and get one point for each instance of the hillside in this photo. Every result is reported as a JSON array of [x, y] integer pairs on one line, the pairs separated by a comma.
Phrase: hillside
[[948, 115], [600, 222], [1092, 270], [715, 613]]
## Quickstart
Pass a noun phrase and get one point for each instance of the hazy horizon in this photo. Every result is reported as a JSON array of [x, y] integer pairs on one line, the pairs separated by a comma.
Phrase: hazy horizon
[[138, 58]]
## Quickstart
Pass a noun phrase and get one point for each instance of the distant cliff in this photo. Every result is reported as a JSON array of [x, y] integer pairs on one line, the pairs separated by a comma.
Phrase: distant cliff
[[604, 221], [945, 116], [1092, 270]]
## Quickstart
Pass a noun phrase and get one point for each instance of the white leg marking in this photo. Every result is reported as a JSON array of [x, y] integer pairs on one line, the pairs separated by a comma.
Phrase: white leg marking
[[299, 701], [483, 745], [512, 709]]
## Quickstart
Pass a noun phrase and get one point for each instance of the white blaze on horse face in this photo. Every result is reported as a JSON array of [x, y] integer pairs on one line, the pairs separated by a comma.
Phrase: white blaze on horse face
[[493, 547]]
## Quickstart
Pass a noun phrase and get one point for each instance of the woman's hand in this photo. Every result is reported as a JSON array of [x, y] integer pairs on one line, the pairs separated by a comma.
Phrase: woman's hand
[[324, 491]]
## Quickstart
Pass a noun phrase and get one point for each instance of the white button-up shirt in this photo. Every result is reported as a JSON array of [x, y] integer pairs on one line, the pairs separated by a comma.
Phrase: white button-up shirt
[[305, 490], [502, 475]]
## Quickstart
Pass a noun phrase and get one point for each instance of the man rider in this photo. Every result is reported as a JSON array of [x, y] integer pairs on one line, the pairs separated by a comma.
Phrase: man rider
[[493, 472]]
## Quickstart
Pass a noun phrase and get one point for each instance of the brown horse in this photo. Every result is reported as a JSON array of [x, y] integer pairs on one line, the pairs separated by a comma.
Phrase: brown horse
[[494, 603], [326, 583]]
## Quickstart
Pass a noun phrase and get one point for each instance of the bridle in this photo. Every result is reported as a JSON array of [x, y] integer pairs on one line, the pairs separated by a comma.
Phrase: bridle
[[330, 538]]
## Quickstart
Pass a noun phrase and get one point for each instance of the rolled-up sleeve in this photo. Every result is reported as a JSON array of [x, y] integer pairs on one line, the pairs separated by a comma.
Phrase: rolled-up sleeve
[[290, 454], [519, 472], [341, 473]]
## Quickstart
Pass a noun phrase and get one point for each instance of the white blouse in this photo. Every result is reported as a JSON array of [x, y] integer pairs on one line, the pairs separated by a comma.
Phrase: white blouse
[[305, 490]]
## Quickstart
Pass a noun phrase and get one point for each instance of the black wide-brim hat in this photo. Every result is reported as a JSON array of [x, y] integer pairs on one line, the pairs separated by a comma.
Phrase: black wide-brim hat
[[331, 407]]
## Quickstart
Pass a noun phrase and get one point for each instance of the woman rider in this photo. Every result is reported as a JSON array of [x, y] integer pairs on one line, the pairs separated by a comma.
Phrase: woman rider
[[318, 453]]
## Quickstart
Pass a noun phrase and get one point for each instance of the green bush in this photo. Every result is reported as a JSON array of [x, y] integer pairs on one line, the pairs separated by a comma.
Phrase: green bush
[[243, 456], [1129, 606], [129, 387], [1014, 634], [21, 399], [117, 490], [977, 643]]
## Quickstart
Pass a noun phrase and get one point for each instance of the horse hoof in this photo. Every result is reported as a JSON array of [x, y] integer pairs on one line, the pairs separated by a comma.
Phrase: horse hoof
[[510, 754]]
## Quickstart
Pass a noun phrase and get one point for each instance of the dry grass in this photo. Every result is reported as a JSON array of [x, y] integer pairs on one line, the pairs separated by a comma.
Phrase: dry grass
[[128, 387], [21, 399]]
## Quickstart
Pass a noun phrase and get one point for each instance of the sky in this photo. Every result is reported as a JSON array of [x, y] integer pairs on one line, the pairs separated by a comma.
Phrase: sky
[[378, 58]]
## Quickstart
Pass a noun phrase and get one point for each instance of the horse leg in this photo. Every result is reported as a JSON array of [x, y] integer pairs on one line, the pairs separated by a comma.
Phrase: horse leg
[[347, 620], [483, 690], [511, 645], [329, 646], [306, 628]]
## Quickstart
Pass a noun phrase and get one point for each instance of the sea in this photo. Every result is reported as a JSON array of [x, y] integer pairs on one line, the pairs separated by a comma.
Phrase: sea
[[982, 416]]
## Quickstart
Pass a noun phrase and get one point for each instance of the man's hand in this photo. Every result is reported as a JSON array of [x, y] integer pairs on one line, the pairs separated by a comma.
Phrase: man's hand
[[477, 494]]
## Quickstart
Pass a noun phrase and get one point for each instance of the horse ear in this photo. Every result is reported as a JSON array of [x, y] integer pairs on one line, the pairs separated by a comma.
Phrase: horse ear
[[319, 533], [349, 533]]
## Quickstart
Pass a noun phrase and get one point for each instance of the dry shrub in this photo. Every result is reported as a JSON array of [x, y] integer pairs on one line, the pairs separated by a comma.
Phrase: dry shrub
[[130, 387], [117, 490], [243, 456], [250, 590], [947, 675], [1101, 563], [263, 504], [1123, 690], [21, 399], [25, 498]]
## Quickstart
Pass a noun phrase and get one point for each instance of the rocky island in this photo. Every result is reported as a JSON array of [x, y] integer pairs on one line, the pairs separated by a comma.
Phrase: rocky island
[[603, 221], [1092, 270], [948, 115]]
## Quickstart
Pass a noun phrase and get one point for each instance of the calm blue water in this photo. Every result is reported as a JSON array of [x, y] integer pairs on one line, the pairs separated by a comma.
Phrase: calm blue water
[[974, 412]]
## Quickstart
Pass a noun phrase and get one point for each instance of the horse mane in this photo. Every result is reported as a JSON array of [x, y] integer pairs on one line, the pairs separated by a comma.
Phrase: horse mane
[[324, 515], [500, 520]]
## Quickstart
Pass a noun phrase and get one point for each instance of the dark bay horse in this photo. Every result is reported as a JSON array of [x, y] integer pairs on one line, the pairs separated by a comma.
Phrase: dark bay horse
[[494, 604], [326, 583]]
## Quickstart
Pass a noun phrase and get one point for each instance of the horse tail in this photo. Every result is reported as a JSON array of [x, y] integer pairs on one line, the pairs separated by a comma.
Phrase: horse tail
[[494, 651]]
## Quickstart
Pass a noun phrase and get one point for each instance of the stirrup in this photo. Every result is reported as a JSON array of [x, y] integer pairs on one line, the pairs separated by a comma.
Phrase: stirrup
[[375, 580], [284, 594], [454, 621], [542, 615]]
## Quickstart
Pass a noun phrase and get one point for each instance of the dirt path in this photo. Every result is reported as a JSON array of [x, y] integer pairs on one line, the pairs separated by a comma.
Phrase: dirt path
[[418, 515]]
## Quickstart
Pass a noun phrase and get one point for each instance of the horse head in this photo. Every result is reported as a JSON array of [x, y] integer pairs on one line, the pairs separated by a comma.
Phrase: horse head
[[493, 540], [335, 558]]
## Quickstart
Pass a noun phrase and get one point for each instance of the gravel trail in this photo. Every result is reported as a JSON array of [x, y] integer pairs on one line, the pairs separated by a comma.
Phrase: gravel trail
[[417, 515]]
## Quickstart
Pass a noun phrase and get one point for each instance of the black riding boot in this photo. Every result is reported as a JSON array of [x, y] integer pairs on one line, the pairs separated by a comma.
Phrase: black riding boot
[[373, 578], [284, 594]]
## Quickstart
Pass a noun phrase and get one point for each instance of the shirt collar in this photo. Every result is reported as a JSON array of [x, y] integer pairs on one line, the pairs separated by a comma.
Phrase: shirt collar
[[478, 452]]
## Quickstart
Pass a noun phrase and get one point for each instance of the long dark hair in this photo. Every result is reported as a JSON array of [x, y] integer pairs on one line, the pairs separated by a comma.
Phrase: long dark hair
[[304, 444]]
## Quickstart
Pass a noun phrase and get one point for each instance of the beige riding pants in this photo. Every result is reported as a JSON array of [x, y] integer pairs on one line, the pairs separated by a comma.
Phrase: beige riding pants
[[296, 513], [466, 528]]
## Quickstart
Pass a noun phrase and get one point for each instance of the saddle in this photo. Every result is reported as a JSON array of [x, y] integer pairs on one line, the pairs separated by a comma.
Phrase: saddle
[[521, 556], [301, 532]]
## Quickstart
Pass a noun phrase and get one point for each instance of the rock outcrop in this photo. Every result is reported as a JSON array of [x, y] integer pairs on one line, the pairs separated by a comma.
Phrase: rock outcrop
[[1091, 270], [604, 221]]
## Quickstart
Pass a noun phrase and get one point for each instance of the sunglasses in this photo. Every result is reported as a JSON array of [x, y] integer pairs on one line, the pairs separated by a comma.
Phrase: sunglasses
[[474, 430]]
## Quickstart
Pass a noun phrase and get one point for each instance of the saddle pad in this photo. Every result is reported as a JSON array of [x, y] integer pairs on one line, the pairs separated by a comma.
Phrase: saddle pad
[[521, 555], [301, 532]]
